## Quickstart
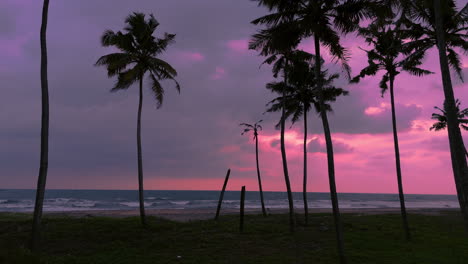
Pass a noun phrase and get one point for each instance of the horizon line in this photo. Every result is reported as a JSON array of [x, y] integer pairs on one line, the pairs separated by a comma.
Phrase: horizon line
[[59, 189]]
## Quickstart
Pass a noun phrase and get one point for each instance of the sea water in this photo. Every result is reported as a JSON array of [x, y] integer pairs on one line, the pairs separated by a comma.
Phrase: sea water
[[76, 200]]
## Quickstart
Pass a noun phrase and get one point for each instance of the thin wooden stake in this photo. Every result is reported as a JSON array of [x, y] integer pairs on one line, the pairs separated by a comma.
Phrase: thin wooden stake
[[222, 194], [241, 226]]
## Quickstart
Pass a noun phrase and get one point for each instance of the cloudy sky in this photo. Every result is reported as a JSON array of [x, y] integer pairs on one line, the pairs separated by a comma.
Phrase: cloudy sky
[[190, 142]]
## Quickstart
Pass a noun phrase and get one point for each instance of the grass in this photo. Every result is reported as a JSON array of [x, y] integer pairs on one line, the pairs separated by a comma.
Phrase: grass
[[369, 239]]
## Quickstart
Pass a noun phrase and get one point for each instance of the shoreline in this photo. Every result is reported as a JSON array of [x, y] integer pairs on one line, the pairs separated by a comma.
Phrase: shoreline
[[187, 215]]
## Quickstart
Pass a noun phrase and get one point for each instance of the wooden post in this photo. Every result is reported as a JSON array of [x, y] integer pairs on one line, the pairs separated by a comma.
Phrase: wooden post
[[241, 226], [222, 194]]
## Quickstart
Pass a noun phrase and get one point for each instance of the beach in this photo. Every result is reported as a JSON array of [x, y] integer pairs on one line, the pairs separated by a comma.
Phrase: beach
[[187, 215]]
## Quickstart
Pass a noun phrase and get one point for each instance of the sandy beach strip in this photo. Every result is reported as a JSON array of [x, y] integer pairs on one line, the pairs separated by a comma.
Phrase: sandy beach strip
[[186, 215]]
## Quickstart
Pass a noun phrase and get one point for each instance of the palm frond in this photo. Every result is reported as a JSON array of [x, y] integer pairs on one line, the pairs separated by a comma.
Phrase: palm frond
[[127, 78], [115, 62], [157, 89]]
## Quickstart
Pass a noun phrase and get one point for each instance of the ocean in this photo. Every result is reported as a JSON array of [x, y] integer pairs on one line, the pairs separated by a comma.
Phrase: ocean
[[76, 200]]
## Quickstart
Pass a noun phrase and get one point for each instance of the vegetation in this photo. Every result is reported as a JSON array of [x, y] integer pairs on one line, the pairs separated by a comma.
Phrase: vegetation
[[301, 95], [371, 239], [436, 23], [255, 128], [441, 124], [387, 55], [401, 33], [274, 43], [44, 155], [138, 56], [323, 20]]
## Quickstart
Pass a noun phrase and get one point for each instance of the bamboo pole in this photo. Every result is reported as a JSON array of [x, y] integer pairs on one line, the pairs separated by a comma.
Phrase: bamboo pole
[[242, 199], [222, 194]]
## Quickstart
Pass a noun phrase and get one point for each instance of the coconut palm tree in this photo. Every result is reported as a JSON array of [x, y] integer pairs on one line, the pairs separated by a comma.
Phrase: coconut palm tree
[[324, 20], [438, 23], [255, 128], [441, 123], [387, 54], [275, 44], [301, 96], [44, 157], [138, 56]]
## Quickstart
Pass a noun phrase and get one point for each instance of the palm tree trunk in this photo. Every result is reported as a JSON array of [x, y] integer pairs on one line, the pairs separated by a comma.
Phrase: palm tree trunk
[[304, 187], [331, 162], [259, 178], [44, 158], [283, 156], [459, 164], [397, 160], [140, 159]]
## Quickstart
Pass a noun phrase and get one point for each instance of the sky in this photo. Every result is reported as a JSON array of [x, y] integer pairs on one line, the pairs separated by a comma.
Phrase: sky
[[195, 137]]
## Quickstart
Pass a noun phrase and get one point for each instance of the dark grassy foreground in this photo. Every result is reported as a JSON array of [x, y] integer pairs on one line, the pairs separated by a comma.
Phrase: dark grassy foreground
[[369, 239]]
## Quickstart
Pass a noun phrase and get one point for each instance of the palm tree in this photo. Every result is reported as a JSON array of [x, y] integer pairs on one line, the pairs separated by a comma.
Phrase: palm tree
[[272, 44], [324, 20], [441, 123], [301, 95], [44, 159], [386, 55], [255, 128], [436, 23], [138, 56]]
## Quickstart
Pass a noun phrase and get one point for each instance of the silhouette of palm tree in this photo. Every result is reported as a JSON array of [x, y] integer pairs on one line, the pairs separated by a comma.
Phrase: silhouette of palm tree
[[436, 23], [255, 128], [324, 20], [386, 55], [441, 123], [44, 156], [138, 56], [301, 96], [276, 46]]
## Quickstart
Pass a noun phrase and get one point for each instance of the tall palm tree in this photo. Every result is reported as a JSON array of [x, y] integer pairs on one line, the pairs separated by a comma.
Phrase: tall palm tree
[[441, 124], [255, 128], [139, 51], [44, 159], [324, 20], [387, 54], [273, 44], [436, 23], [301, 96]]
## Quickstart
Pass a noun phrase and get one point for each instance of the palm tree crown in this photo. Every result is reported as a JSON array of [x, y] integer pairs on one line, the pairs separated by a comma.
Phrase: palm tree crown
[[325, 19], [441, 123], [138, 56], [421, 28], [387, 49], [255, 128], [301, 92]]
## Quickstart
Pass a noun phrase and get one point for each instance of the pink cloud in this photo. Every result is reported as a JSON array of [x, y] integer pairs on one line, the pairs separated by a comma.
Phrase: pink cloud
[[187, 57], [219, 73], [239, 45], [372, 110]]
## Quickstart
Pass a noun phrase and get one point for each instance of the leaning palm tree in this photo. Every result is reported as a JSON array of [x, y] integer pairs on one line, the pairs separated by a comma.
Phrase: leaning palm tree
[[139, 51], [438, 23], [255, 128], [301, 96], [44, 158], [273, 44], [441, 124], [387, 54], [324, 20]]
